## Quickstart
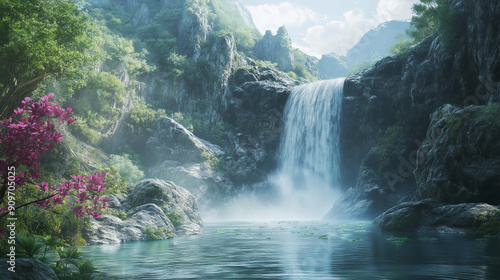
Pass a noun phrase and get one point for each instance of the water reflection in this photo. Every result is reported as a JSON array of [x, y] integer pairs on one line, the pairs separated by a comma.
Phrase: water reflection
[[300, 250]]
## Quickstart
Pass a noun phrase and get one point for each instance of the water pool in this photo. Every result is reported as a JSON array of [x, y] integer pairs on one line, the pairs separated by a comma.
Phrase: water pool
[[301, 250]]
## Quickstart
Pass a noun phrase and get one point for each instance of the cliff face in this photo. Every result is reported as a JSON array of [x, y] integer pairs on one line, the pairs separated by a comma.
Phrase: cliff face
[[386, 108]]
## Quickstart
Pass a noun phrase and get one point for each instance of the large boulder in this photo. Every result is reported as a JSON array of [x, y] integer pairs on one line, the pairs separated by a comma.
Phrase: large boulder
[[148, 204], [27, 269], [170, 197], [429, 214], [110, 229], [177, 155]]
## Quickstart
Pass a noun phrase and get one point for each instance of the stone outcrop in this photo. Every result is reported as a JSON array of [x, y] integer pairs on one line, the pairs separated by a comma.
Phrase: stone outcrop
[[147, 204], [168, 195], [27, 269], [172, 141], [276, 48], [459, 161], [194, 26], [430, 215]]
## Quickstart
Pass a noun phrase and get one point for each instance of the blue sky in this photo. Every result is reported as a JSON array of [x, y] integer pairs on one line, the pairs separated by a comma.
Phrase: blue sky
[[323, 26]]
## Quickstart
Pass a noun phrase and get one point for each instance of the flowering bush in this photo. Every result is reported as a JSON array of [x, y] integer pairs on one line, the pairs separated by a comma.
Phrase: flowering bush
[[24, 138]]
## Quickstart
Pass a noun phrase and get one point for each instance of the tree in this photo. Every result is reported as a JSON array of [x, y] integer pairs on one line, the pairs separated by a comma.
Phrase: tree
[[28, 134], [38, 38], [435, 16]]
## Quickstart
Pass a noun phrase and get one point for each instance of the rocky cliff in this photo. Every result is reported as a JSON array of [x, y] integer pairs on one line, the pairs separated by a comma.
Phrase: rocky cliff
[[276, 48], [387, 108]]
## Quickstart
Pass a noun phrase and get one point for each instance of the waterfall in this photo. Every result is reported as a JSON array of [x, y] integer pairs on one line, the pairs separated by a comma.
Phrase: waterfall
[[306, 183], [308, 177]]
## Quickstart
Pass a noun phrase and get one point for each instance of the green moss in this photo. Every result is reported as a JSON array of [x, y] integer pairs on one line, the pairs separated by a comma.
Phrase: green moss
[[491, 114], [487, 224], [398, 223]]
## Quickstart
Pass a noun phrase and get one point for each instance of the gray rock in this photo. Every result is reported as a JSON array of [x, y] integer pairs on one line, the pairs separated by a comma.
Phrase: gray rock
[[194, 27], [109, 229], [206, 184], [142, 16], [255, 110], [114, 202], [166, 194], [459, 161], [173, 141], [430, 214], [27, 269], [276, 48]]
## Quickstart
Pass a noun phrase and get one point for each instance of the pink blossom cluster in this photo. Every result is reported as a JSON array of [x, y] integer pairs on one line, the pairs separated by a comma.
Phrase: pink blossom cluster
[[89, 192], [25, 137], [29, 134]]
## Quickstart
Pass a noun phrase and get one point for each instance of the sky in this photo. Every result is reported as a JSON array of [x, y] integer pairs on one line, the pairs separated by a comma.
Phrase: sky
[[320, 27]]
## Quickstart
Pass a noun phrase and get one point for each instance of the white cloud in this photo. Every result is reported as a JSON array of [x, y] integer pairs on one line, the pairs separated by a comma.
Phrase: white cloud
[[339, 36], [271, 17], [395, 9]]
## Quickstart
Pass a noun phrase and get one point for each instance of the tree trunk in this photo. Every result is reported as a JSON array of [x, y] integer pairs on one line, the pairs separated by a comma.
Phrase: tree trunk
[[12, 96]]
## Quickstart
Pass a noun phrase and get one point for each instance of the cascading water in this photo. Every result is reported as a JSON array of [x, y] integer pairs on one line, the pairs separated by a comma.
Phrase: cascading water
[[308, 178]]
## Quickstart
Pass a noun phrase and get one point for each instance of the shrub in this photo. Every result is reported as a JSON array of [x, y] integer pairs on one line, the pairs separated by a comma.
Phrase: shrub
[[487, 224], [127, 168], [175, 216], [156, 233]]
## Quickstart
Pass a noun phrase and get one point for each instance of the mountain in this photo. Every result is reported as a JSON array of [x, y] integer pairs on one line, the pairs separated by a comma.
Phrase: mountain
[[376, 43]]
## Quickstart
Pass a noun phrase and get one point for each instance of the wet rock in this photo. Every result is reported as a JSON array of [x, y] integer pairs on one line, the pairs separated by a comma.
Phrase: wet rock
[[109, 229], [27, 269], [147, 203], [430, 214], [166, 194]]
